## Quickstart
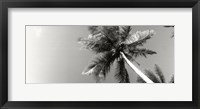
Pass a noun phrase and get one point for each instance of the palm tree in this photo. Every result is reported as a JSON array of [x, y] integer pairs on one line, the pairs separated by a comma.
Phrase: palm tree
[[156, 77], [115, 43]]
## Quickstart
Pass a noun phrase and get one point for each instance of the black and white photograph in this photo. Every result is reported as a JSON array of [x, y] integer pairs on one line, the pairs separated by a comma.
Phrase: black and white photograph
[[99, 54]]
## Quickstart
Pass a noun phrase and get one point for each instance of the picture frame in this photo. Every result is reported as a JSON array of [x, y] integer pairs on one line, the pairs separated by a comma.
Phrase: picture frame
[[6, 4]]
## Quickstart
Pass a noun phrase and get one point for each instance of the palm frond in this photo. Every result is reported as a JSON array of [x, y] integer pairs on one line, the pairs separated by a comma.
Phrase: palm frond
[[130, 57], [139, 38], [96, 45], [121, 73], [141, 52], [101, 65], [108, 58], [172, 79], [124, 32], [139, 43], [90, 69], [151, 75], [111, 32], [94, 29], [159, 73], [157, 77]]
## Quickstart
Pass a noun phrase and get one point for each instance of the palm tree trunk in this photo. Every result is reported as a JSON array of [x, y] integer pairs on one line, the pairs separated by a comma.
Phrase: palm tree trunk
[[142, 75]]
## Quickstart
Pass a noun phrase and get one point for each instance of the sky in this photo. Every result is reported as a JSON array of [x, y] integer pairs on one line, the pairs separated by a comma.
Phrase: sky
[[53, 54]]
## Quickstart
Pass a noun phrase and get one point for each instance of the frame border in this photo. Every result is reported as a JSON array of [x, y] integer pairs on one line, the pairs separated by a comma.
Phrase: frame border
[[5, 4]]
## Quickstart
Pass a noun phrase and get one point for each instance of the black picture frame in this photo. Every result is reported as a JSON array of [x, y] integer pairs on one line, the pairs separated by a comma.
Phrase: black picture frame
[[5, 4]]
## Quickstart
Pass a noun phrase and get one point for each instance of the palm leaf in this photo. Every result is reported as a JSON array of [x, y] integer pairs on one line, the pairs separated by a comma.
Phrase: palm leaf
[[159, 73], [140, 52], [157, 77], [94, 29], [151, 75], [101, 65], [139, 43], [122, 74], [172, 79], [111, 32], [138, 38], [96, 45], [130, 57], [90, 69], [124, 32]]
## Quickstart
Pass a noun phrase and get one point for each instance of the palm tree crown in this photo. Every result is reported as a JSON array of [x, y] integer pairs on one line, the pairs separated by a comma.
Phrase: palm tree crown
[[108, 43]]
